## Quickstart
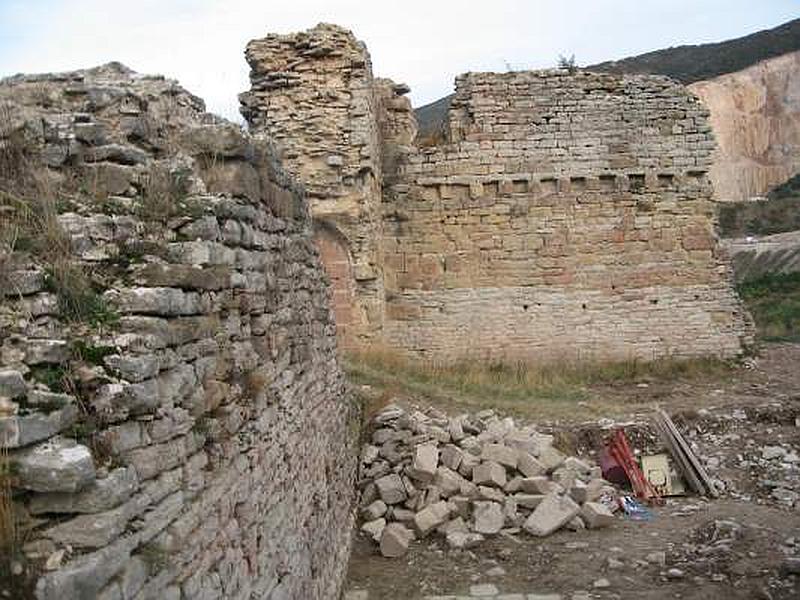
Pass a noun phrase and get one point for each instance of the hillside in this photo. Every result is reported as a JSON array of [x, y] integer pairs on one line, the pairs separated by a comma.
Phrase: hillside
[[692, 63]]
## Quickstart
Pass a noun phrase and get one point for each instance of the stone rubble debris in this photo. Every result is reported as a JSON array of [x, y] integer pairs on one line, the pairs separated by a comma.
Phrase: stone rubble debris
[[468, 477]]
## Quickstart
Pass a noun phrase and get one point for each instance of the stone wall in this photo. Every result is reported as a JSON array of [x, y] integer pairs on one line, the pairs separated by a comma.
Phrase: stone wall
[[569, 216], [565, 215], [176, 422]]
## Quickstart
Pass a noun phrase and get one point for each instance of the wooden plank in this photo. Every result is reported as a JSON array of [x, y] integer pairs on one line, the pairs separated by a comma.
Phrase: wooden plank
[[681, 460], [698, 467]]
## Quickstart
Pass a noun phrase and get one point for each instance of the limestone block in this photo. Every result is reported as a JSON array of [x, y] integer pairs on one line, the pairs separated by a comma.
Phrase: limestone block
[[596, 515], [395, 540], [539, 485], [488, 517], [550, 457], [500, 454], [449, 482], [23, 430], [530, 466], [423, 468], [461, 540], [431, 517], [451, 456], [374, 510], [528, 500], [57, 465], [391, 489], [100, 495], [374, 528], [489, 473], [551, 514], [43, 351]]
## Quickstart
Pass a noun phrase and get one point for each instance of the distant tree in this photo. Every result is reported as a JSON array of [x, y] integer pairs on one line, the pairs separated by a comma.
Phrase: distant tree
[[567, 63]]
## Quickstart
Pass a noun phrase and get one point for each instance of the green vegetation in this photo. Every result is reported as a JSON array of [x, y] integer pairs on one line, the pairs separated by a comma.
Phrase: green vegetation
[[774, 302], [519, 389], [777, 213]]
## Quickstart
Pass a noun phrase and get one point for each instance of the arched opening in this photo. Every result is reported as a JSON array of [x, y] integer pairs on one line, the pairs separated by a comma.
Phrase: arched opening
[[335, 255]]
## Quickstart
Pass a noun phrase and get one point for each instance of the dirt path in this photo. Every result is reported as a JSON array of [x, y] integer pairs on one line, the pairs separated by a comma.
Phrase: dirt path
[[734, 547]]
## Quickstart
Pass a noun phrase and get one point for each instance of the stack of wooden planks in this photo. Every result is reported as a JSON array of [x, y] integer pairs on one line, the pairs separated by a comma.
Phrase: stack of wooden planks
[[687, 462]]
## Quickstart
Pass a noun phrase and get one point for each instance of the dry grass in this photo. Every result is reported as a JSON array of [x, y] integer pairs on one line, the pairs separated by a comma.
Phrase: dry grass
[[162, 194], [525, 390]]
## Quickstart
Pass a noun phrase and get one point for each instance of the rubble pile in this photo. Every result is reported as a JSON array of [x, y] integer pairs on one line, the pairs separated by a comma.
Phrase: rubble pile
[[469, 477]]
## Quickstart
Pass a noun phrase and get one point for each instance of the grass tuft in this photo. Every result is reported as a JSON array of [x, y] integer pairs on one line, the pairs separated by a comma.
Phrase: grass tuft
[[774, 302]]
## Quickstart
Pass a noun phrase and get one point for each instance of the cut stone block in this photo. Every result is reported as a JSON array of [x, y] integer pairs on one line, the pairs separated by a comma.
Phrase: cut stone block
[[500, 454], [431, 517], [577, 465], [596, 515], [57, 465], [489, 517], [426, 458], [90, 531], [374, 528], [468, 463], [448, 481], [489, 493], [489, 473], [374, 510], [553, 512], [391, 489], [530, 466], [461, 540], [395, 540], [539, 485], [451, 457], [550, 457]]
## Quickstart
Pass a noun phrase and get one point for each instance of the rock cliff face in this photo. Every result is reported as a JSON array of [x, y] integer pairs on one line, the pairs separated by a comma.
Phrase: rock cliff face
[[173, 419], [755, 115]]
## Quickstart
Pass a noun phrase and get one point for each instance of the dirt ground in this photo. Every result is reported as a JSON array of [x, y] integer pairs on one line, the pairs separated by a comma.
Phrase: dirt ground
[[732, 547]]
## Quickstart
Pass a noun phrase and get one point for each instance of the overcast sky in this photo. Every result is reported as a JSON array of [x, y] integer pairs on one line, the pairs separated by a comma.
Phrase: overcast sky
[[422, 43]]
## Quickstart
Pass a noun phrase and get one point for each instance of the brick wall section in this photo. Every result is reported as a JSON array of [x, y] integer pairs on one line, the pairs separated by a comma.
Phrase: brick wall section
[[569, 216], [213, 453], [312, 95]]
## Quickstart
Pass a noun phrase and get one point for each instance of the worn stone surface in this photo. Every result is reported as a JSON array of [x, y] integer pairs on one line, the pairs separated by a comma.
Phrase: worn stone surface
[[57, 465], [553, 512], [100, 495], [395, 540]]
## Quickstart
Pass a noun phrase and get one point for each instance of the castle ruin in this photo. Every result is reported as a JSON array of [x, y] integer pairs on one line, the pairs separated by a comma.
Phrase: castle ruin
[[563, 216]]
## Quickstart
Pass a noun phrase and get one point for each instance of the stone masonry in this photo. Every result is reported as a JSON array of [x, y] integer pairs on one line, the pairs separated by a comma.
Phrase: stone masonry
[[182, 428], [566, 216]]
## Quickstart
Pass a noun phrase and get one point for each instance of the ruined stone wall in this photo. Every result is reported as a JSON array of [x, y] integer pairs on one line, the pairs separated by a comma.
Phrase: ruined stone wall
[[312, 95], [568, 217], [175, 418]]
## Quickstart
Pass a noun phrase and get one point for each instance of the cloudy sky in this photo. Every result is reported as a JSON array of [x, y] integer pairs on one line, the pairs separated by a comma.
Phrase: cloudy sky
[[423, 43]]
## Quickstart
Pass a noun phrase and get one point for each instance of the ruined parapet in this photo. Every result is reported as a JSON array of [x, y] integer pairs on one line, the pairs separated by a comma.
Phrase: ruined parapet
[[312, 95], [174, 416], [568, 217]]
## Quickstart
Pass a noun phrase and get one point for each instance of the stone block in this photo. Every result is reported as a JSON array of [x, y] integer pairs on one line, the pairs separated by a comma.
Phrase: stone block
[[100, 495], [488, 517], [426, 459], [489, 473], [530, 466], [552, 513], [596, 515], [395, 540], [374, 528], [539, 485], [374, 510], [57, 465], [23, 430], [451, 456], [391, 489], [431, 517], [500, 454]]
